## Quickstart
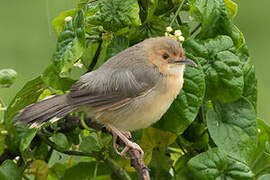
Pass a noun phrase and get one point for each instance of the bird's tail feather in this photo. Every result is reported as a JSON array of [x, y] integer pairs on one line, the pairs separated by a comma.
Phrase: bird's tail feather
[[50, 109]]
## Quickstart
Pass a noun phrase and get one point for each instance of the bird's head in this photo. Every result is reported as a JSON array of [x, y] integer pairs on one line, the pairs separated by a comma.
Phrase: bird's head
[[167, 55]]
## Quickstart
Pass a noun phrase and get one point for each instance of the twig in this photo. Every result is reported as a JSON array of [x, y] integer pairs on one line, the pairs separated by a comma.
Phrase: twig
[[95, 59], [138, 164], [195, 29]]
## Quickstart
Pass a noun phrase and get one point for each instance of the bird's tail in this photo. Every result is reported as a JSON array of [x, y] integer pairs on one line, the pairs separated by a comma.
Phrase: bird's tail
[[50, 109]]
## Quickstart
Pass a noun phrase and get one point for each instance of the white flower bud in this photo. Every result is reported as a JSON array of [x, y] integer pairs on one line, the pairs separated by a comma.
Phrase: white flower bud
[[169, 29], [181, 38], [166, 34], [178, 33], [68, 18]]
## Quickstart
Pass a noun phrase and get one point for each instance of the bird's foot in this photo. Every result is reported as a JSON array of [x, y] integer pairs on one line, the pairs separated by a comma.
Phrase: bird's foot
[[124, 136]]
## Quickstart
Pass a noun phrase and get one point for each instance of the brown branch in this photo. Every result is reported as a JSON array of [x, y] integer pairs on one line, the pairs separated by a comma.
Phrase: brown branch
[[138, 163], [136, 159]]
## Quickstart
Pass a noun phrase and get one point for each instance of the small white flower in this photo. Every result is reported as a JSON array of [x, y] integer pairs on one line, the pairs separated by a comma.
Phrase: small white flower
[[169, 29], [173, 37], [181, 38], [178, 33], [166, 34], [78, 64], [68, 18]]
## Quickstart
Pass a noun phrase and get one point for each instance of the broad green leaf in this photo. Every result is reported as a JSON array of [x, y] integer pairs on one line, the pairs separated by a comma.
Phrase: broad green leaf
[[213, 16], [42, 151], [59, 22], [7, 77], [215, 164], [57, 170], [155, 138], [260, 158], [70, 47], [9, 171], [250, 83], [264, 177], [232, 8], [60, 140], [186, 106], [118, 44], [116, 14], [160, 164], [89, 54], [84, 171], [154, 27], [147, 9], [181, 168], [233, 128], [26, 96], [222, 67], [40, 169], [90, 143], [26, 139]]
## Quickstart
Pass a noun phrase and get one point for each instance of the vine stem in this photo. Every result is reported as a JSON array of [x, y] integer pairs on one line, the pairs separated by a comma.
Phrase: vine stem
[[177, 12]]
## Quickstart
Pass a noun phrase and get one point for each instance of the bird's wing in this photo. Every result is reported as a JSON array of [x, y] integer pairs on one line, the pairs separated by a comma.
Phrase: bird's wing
[[112, 88]]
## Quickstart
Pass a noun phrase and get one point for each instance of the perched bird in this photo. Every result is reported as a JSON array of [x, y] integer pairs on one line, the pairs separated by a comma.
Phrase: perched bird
[[130, 91]]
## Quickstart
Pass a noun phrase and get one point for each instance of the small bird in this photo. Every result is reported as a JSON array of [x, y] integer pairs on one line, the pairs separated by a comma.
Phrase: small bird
[[130, 91]]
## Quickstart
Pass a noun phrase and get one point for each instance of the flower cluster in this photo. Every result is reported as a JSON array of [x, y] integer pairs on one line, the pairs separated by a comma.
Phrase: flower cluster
[[177, 34]]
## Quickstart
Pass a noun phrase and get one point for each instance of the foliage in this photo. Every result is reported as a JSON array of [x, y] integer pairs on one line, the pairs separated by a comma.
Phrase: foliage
[[210, 131]]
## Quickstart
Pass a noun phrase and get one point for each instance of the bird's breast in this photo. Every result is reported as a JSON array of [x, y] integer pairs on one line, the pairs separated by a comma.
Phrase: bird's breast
[[148, 108]]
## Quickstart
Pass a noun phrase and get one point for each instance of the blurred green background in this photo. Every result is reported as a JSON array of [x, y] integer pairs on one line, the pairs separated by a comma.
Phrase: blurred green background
[[27, 40]]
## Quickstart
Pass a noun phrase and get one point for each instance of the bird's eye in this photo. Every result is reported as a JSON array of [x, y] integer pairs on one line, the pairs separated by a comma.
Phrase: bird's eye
[[165, 56]]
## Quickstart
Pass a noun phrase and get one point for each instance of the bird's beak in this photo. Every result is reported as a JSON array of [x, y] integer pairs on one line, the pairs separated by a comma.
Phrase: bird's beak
[[184, 61]]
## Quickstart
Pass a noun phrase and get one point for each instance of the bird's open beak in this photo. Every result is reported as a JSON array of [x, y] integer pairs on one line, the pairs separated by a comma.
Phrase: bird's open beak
[[185, 61]]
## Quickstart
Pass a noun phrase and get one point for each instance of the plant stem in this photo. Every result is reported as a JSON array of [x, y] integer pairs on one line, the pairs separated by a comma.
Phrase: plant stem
[[195, 29], [95, 59], [177, 12]]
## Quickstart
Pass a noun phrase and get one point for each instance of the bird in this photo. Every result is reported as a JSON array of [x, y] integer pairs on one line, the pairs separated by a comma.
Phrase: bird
[[130, 91]]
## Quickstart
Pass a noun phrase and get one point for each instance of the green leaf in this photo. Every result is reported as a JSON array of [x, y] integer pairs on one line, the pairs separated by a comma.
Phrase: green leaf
[[40, 169], [250, 83], [181, 168], [214, 164], [222, 67], [264, 177], [60, 140], [116, 14], [260, 158], [118, 44], [26, 139], [155, 138], [42, 151], [70, 47], [233, 128], [213, 16], [89, 54], [7, 77], [26, 96], [232, 8], [90, 143], [84, 171], [154, 27], [59, 22], [185, 108], [9, 171]]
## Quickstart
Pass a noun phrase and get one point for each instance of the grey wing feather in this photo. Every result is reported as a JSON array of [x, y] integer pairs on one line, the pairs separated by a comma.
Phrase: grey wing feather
[[116, 80]]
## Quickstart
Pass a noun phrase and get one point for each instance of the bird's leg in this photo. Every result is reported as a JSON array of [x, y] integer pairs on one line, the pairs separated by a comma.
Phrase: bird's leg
[[124, 136]]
